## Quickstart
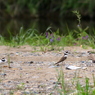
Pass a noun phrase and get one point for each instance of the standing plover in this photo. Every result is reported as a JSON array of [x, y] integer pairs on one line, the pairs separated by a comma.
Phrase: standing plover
[[63, 58]]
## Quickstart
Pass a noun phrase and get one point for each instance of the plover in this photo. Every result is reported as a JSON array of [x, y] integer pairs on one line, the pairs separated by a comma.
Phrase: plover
[[63, 58], [3, 60], [91, 57]]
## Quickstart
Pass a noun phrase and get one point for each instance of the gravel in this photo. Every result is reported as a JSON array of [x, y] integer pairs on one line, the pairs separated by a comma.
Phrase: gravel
[[36, 74]]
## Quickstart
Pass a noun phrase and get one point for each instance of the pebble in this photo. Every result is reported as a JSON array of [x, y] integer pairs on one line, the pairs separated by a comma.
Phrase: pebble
[[72, 67], [3, 74]]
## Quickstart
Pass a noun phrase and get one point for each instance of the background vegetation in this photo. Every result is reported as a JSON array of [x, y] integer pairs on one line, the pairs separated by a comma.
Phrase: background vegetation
[[46, 8]]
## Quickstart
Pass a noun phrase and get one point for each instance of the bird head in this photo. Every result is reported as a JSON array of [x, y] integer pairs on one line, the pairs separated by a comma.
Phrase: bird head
[[89, 52], [66, 53]]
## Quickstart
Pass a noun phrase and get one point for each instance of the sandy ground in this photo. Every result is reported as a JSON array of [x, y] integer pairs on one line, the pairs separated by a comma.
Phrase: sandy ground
[[41, 74]]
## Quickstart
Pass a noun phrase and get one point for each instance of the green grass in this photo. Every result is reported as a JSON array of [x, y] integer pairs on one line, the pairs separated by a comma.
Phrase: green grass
[[30, 37], [76, 88], [50, 38]]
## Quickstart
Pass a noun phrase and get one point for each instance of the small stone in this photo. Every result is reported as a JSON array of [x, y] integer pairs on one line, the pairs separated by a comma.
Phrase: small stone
[[93, 61], [82, 61], [84, 68], [9, 67], [72, 67], [26, 93], [9, 81], [3, 74], [93, 70], [31, 62], [20, 68], [11, 62], [27, 81], [17, 53]]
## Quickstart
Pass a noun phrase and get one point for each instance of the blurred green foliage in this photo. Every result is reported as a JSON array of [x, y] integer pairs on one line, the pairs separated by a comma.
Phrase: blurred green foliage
[[46, 8]]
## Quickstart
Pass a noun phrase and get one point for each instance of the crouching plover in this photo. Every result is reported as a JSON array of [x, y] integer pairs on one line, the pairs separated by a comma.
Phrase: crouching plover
[[3, 60], [63, 58], [91, 56]]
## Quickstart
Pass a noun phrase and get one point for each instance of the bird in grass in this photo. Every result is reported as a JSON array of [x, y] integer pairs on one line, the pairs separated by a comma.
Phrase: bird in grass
[[63, 58]]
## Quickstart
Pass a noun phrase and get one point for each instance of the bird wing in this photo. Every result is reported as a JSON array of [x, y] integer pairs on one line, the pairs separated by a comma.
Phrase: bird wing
[[62, 59]]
